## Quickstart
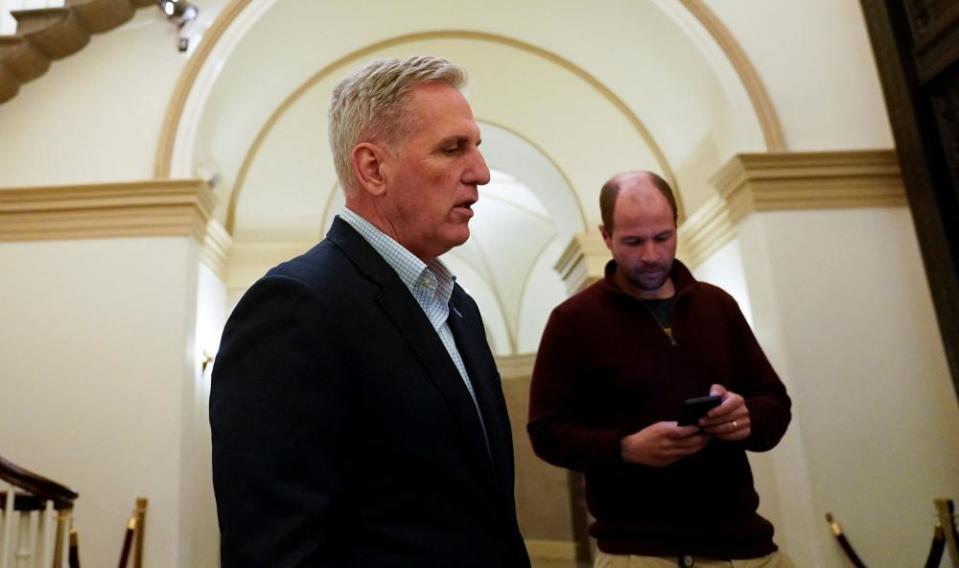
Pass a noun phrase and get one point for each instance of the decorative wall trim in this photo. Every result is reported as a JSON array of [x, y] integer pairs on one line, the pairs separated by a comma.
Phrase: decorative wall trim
[[185, 83], [810, 180], [128, 209], [549, 158], [217, 244], [765, 111], [551, 549], [583, 261], [705, 232], [164, 159], [513, 367], [786, 181], [755, 89]]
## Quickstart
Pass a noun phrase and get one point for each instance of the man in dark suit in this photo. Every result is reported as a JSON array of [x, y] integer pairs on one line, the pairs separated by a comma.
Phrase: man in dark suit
[[357, 414]]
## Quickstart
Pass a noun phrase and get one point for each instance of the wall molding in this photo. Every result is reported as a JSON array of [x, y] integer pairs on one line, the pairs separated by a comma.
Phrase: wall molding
[[126, 209], [789, 181], [758, 182], [810, 180], [752, 82], [165, 156], [154, 208], [217, 245], [583, 261], [705, 232], [162, 167], [230, 14]]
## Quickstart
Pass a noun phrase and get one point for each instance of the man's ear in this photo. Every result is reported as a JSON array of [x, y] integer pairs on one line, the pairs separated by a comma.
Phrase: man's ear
[[607, 237], [367, 163]]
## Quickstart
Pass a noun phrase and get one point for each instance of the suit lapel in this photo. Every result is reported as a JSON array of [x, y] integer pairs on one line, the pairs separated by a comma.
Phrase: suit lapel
[[471, 343], [401, 308]]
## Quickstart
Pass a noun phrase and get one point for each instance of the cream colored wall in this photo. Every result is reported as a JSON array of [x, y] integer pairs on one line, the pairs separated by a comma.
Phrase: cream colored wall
[[725, 269], [816, 62], [544, 290], [95, 116], [780, 475], [96, 369], [841, 305], [199, 544]]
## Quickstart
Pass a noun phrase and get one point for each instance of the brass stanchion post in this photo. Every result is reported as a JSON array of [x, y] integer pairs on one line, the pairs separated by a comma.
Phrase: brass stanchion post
[[141, 511]]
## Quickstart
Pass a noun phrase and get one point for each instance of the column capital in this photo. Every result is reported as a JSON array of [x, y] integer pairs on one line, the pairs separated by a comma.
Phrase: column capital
[[788, 181], [583, 260]]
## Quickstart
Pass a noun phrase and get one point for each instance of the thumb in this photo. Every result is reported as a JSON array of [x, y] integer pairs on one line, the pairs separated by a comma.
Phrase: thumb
[[718, 390]]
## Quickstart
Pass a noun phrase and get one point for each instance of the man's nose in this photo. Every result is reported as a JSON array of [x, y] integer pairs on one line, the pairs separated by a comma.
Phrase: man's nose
[[478, 171], [647, 251]]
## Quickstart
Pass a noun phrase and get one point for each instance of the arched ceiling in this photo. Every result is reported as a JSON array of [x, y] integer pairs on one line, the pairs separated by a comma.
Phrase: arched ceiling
[[566, 93], [508, 93], [598, 87]]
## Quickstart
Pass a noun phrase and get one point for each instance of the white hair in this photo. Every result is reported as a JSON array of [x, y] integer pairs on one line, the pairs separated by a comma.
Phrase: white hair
[[368, 105]]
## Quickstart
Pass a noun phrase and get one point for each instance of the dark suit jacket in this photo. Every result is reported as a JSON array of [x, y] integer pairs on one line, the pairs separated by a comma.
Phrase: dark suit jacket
[[343, 434]]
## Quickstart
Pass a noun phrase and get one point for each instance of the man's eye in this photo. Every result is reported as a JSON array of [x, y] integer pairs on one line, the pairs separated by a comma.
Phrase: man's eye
[[451, 149]]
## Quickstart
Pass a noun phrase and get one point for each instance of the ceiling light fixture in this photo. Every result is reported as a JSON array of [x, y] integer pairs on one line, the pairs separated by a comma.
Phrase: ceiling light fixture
[[180, 12]]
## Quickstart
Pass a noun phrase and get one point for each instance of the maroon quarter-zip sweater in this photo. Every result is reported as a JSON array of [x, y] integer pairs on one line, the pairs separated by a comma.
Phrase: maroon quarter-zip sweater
[[605, 369]]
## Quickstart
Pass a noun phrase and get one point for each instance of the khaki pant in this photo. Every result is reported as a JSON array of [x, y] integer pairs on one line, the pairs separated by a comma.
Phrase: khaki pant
[[774, 560]]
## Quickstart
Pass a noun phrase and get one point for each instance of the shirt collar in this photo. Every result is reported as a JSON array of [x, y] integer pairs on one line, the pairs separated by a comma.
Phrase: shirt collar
[[413, 272]]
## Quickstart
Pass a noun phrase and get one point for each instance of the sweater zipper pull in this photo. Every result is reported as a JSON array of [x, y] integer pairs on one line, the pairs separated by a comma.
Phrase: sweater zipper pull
[[669, 333]]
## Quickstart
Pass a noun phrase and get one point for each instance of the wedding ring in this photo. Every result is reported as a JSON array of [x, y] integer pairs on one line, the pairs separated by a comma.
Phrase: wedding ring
[[735, 425]]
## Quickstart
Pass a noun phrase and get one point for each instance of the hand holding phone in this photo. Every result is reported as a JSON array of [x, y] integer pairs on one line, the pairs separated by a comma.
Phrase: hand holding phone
[[695, 408], [661, 444]]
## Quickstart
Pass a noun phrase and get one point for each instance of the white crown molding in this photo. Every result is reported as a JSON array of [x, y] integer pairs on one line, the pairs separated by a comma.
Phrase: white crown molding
[[127, 209], [217, 244], [810, 180], [583, 261], [704, 232], [789, 181]]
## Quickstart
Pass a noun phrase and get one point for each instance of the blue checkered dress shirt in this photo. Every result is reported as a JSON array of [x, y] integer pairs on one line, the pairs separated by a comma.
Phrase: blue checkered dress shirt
[[431, 285]]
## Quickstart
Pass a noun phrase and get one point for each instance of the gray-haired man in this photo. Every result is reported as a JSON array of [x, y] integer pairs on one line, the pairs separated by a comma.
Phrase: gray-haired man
[[357, 414]]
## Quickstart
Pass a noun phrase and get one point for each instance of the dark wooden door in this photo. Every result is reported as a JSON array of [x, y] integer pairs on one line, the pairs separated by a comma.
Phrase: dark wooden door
[[916, 44]]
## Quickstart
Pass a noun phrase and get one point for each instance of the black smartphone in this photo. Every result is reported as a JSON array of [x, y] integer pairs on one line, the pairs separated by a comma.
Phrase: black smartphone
[[695, 408]]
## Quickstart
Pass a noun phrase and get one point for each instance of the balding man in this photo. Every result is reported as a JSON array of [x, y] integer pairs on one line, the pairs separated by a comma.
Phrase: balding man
[[357, 414], [616, 363]]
